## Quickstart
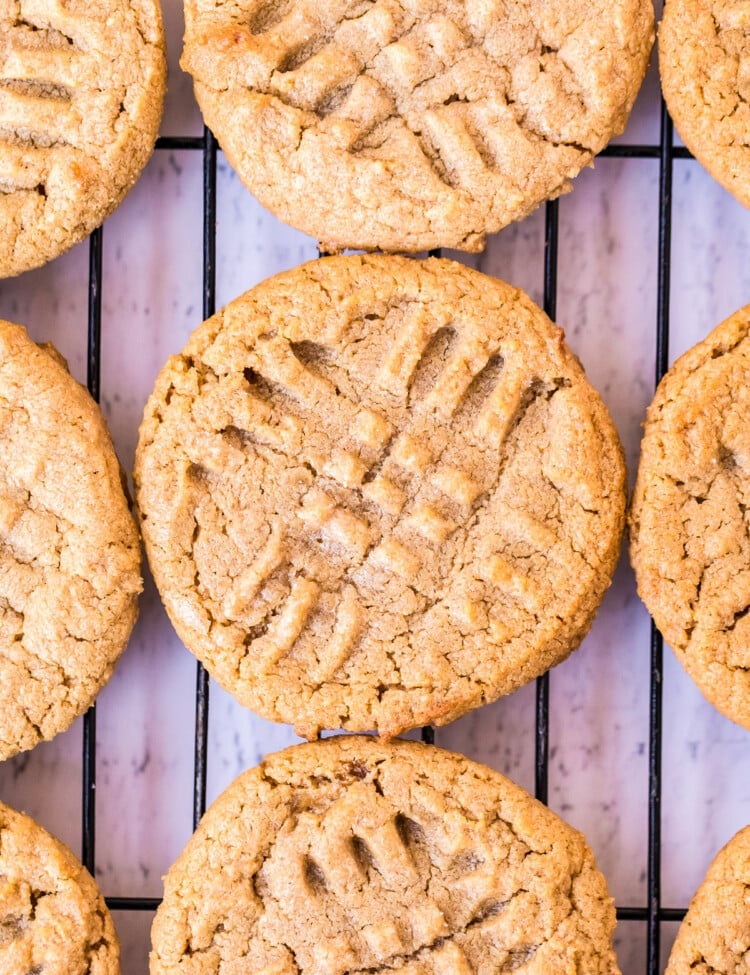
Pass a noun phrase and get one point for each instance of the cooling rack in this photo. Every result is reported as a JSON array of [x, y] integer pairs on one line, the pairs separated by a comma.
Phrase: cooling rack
[[648, 910], [653, 912]]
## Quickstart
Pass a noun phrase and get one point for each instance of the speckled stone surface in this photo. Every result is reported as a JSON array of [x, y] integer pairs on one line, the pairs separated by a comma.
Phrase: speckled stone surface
[[599, 698]]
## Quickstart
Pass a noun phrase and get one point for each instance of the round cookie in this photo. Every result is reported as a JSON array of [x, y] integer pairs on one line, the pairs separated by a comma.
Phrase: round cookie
[[53, 918], [403, 125], [81, 91], [714, 938], [689, 540], [69, 551], [378, 492], [352, 855], [704, 58]]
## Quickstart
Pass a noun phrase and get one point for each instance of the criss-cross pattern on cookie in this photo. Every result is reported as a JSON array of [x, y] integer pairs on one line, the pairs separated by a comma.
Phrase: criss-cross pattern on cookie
[[407, 124], [80, 99], [350, 856], [370, 502]]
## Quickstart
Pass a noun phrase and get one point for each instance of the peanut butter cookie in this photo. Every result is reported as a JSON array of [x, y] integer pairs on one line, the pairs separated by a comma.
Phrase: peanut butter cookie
[[52, 917], [69, 551], [351, 855], [81, 90], [401, 125], [704, 58], [689, 540], [714, 938], [378, 492]]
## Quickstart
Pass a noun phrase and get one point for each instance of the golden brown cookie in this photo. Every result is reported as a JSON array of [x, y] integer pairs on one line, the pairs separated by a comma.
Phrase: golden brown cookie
[[714, 938], [81, 90], [689, 540], [401, 125], [378, 492], [53, 920], [350, 855], [704, 58], [69, 551]]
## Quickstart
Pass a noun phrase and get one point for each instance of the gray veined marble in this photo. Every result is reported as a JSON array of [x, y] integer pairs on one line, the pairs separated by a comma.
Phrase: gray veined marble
[[599, 697]]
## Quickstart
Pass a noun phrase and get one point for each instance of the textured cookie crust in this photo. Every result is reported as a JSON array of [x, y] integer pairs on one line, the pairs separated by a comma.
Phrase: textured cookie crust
[[53, 920], [689, 541], [377, 492], [714, 938], [81, 90], [350, 856], [69, 551], [704, 58], [400, 125]]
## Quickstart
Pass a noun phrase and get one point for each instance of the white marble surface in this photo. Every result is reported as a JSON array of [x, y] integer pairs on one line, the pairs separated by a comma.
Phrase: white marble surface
[[599, 717]]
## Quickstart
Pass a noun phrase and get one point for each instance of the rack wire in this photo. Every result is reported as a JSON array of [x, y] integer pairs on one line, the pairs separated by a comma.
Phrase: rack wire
[[652, 912]]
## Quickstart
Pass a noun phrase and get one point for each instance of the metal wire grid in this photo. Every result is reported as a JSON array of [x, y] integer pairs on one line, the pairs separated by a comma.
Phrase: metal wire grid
[[653, 913]]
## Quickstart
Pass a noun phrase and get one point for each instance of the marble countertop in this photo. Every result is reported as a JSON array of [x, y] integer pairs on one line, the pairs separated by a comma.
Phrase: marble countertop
[[599, 697]]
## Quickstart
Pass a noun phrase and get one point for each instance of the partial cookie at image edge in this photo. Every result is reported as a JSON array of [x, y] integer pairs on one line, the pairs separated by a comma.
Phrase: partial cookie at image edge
[[53, 914], [714, 937], [384, 128], [80, 107], [689, 541], [704, 58], [351, 854], [69, 548]]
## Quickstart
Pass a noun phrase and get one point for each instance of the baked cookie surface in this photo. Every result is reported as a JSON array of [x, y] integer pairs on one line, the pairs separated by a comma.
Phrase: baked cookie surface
[[69, 550], [81, 91], [378, 492], [352, 855], [714, 938], [53, 918], [704, 57], [689, 539], [402, 125]]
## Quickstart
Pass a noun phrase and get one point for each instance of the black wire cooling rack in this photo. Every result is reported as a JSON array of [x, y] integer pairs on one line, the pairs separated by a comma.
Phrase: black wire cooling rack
[[653, 912]]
